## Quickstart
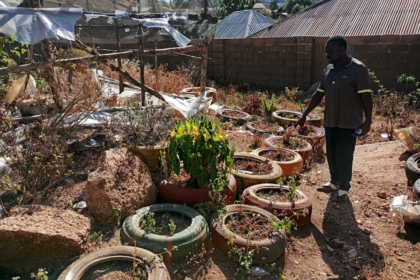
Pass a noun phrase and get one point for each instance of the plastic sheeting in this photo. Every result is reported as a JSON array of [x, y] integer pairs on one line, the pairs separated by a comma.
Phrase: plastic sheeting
[[29, 26]]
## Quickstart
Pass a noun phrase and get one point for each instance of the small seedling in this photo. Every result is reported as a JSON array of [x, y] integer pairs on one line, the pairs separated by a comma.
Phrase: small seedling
[[149, 224], [285, 224], [268, 106], [172, 227]]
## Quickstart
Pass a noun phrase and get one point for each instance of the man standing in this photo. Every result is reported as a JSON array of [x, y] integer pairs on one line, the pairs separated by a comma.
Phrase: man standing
[[345, 85]]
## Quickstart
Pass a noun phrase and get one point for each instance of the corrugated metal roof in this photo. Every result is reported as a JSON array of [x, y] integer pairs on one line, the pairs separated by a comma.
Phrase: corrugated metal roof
[[350, 18], [241, 24]]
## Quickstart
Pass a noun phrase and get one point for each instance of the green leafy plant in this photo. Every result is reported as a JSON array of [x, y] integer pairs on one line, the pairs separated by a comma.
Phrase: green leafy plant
[[117, 214], [149, 224], [292, 94], [226, 7], [41, 275], [203, 149], [172, 227], [217, 203], [406, 80], [241, 256], [268, 106], [285, 224], [96, 237]]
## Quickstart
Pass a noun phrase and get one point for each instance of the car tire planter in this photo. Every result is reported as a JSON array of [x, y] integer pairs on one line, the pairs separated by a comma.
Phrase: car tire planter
[[243, 180], [276, 245], [315, 141], [289, 168], [149, 155], [305, 153], [314, 119], [188, 241], [412, 171], [156, 269], [302, 207], [210, 92], [171, 193], [250, 126], [285, 122], [416, 191], [238, 121]]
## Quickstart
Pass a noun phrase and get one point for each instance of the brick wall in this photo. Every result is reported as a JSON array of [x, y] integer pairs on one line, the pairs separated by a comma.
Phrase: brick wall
[[300, 61]]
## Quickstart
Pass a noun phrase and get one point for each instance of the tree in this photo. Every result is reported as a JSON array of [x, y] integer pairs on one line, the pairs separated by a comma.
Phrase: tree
[[266, 13], [294, 6], [273, 7], [229, 6]]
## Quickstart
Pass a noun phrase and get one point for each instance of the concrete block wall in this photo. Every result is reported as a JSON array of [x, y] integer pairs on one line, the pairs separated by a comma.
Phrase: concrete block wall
[[300, 61]]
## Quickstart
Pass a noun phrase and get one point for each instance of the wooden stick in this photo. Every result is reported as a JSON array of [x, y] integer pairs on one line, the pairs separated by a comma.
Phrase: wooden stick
[[129, 78], [91, 35], [119, 59], [102, 57], [31, 54], [142, 84], [204, 64], [156, 66]]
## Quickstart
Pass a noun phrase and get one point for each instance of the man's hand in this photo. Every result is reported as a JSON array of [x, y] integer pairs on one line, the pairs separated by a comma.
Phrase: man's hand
[[301, 121], [365, 128]]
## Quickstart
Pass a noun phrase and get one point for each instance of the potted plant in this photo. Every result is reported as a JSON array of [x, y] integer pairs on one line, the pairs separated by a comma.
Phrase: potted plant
[[236, 116], [286, 118], [289, 161], [144, 130], [266, 126], [199, 151], [164, 227], [245, 226], [283, 201], [299, 145], [314, 135], [250, 169]]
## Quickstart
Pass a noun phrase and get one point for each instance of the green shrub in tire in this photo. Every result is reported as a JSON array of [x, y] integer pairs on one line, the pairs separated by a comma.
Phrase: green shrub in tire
[[190, 240]]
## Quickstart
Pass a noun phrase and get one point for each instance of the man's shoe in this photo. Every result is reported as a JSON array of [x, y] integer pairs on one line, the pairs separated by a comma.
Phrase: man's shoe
[[341, 198], [327, 188]]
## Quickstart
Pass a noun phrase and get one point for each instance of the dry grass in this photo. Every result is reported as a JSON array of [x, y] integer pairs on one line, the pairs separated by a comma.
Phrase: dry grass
[[169, 81]]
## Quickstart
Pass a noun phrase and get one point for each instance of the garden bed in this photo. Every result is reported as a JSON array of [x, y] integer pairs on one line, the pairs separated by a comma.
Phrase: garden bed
[[274, 195], [164, 219], [277, 155]]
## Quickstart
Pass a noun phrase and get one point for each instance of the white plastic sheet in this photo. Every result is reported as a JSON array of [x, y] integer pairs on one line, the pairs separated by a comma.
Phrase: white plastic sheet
[[188, 107], [410, 211], [29, 26]]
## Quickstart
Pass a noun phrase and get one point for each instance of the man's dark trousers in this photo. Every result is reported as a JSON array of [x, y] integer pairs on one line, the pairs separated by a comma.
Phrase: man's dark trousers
[[340, 150]]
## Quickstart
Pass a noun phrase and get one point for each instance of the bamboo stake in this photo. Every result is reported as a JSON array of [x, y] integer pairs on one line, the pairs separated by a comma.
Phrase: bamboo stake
[[156, 66], [143, 93], [119, 59], [204, 64], [102, 57], [91, 35]]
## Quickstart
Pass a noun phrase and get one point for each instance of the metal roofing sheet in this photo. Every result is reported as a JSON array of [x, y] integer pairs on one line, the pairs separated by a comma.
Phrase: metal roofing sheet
[[350, 18], [241, 24]]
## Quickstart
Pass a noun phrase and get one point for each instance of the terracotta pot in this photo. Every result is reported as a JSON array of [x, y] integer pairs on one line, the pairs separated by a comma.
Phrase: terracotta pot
[[173, 193], [305, 153], [149, 155], [285, 122], [314, 119], [238, 121], [289, 168], [317, 140], [302, 207], [244, 180], [275, 245]]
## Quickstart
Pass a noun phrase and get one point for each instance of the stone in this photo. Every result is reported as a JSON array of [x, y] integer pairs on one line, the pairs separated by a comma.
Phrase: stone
[[381, 195], [34, 235], [121, 183], [338, 244]]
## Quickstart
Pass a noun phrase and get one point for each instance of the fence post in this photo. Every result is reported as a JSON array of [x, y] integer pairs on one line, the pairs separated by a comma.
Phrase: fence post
[[204, 64], [119, 59], [156, 65]]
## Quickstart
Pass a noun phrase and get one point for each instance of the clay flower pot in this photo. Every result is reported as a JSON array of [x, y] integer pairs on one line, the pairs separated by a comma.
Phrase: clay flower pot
[[315, 140], [174, 193], [252, 127], [289, 168], [242, 119], [305, 153]]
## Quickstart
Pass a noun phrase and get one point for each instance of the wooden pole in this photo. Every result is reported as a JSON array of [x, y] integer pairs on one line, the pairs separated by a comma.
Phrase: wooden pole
[[143, 90], [91, 35], [129, 78], [101, 57], [31, 54], [204, 64], [156, 66], [119, 59]]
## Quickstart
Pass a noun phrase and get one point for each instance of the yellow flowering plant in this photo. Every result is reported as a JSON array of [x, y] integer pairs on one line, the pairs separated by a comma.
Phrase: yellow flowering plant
[[203, 149]]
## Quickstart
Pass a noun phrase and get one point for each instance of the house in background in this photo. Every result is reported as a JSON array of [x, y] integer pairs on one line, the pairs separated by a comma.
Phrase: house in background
[[241, 24], [258, 7]]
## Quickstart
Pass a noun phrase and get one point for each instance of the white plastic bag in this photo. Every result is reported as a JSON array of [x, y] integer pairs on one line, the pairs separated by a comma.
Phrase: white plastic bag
[[410, 211]]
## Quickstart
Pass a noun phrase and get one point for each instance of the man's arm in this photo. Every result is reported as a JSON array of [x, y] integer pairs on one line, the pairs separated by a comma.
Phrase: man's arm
[[315, 100], [367, 104]]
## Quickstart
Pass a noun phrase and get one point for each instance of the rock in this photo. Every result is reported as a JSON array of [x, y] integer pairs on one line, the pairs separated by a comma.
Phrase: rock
[[338, 244], [121, 183], [346, 247], [33, 236], [381, 195]]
